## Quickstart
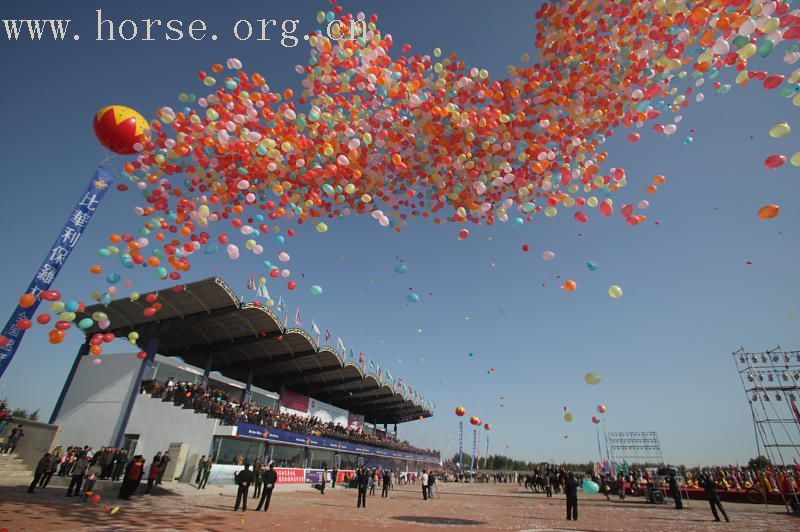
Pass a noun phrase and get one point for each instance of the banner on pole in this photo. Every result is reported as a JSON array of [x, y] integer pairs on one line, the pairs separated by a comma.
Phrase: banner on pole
[[54, 260]]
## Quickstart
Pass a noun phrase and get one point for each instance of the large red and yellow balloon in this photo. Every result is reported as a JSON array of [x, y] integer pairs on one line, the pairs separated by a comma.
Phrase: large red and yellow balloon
[[120, 128]]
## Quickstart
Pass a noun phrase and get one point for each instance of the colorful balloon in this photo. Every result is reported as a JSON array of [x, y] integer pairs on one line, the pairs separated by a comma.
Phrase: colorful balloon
[[615, 291], [120, 129], [592, 378], [768, 212]]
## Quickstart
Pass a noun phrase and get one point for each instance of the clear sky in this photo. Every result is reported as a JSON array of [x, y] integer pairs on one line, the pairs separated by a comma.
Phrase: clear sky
[[663, 349]]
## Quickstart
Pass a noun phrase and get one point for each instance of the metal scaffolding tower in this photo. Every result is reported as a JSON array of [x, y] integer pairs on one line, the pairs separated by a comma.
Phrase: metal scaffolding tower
[[771, 382]]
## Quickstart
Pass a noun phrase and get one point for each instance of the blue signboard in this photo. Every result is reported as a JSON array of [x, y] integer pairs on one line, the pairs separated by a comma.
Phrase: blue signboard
[[56, 257], [248, 430]]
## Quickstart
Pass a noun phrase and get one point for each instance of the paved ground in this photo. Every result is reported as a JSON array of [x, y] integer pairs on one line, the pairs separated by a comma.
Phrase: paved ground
[[296, 508]]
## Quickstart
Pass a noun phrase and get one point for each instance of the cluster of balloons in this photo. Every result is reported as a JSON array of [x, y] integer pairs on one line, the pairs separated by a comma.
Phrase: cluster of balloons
[[400, 135]]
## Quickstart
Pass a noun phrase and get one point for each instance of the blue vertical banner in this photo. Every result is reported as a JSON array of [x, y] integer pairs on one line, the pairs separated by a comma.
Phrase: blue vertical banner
[[474, 448], [54, 260], [460, 444]]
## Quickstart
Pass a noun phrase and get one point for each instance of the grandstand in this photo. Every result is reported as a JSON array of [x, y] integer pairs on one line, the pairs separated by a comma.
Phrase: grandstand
[[222, 377]]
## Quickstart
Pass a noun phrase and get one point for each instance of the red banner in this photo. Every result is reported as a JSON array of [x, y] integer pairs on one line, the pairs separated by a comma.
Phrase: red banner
[[294, 400], [290, 476]]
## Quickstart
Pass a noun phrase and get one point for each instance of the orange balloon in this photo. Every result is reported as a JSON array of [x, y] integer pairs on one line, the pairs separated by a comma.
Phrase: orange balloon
[[767, 212], [27, 300], [97, 349], [96, 269], [570, 285]]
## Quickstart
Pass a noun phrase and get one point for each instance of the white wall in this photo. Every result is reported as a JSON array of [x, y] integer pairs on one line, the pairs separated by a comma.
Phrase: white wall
[[160, 423], [93, 407]]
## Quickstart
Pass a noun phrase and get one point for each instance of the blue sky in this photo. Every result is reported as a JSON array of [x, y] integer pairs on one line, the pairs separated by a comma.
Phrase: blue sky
[[663, 349]]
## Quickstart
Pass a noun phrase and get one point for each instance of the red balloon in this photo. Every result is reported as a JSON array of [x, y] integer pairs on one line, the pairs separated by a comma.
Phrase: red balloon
[[463, 234], [24, 324], [51, 295], [488, 426], [119, 128], [3, 340], [62, 325], [460, 411], [141, 355], [475, 420], [526, 247], [292, 285], [773, 81], [775, 161], [108, 337], [149, 312], [43, 319], [634, 137], [96, 498], [151, 298]]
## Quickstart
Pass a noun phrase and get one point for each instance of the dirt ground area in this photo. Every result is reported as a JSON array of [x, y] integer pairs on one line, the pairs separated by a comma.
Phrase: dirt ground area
[[299, 508]]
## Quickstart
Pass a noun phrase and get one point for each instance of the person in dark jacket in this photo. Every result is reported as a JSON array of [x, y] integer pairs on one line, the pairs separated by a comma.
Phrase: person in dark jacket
[[133, 476], [675, 492], [206, 474], [52, 470], [270, 479], [334, 473], [258, 478], [571, 490], [13, 440], [77, 472], [201, 465], [387, 482], [120, 460], [324, 480], [45, 462], [713, 498], [362, 479], [162, 468], [243, 479]]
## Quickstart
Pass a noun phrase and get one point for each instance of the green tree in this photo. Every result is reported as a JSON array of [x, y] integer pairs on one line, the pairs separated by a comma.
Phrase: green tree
[[760, 462]]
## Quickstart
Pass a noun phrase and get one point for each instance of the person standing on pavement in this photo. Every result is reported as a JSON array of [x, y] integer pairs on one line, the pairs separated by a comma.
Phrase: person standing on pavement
[[424, 480], [152, 477], [206, 474], [324, 480], [387, 482], [675, 492], [91, 477], [334, 473], [571, 490], [78, 471], [201, 465], [243, 479], [270, 480], [258, 478], [45, 462], [713, 499], [362, 480], [162, 468]]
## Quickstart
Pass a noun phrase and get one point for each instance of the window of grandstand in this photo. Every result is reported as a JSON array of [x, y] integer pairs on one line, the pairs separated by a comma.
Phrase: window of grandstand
[[163, 372], [348, 461], [320, 459], [237, 451], [285, 456]]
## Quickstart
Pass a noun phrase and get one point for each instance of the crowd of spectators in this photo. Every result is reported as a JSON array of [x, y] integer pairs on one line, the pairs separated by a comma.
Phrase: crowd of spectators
[[218, 403]]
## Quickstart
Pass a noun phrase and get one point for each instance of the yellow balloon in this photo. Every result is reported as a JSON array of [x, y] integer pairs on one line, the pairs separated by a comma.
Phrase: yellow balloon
[[615, 291], [592, 378], [568, 417], [780, 130], [57, 306], [795, 160], [322, 227]]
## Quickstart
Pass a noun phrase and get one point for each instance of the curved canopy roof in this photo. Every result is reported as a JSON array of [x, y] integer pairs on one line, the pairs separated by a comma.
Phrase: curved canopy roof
[[206, 318]]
